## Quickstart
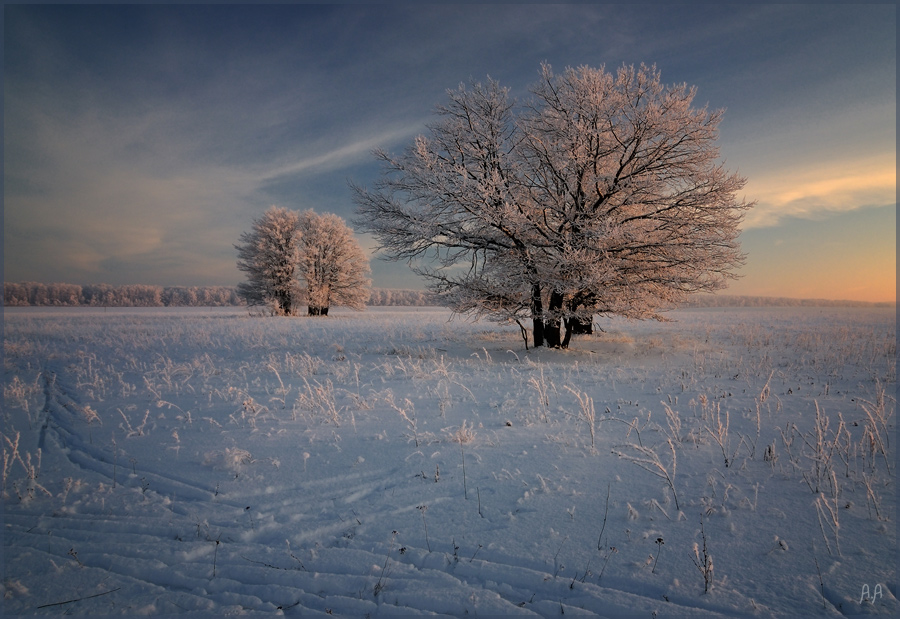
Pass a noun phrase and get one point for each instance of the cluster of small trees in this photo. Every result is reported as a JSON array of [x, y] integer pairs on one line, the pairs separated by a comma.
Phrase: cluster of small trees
[[602, 195], [106, 295], [294, 258]]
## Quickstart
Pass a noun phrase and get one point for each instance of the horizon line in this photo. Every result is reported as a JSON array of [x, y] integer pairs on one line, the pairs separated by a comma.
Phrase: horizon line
[[760, 299]]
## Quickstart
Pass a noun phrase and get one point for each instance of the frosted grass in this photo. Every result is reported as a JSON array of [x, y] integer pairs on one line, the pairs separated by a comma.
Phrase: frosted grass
[[198, 460]]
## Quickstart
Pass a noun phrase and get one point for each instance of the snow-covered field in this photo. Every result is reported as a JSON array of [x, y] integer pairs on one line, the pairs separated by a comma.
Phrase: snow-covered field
[[200, 461]]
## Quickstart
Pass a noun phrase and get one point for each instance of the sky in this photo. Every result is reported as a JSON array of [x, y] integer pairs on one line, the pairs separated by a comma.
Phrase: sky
[[140, 141]]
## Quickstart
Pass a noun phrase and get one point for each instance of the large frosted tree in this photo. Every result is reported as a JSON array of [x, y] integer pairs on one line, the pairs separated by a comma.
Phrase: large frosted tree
[[293, 258], [603, 194]]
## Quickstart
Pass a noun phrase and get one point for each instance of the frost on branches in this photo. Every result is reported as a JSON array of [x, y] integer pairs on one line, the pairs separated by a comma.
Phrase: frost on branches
[[269, 254], [601, 195], [294, 258], [332, 266]]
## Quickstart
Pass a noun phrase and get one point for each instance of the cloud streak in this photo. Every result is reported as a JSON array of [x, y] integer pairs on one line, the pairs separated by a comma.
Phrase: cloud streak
[[825, 189], [342, 156]]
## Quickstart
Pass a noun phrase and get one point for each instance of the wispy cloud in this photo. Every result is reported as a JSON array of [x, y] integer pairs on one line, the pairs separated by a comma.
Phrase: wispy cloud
[[343, 155], [828, 188], [124, 194]]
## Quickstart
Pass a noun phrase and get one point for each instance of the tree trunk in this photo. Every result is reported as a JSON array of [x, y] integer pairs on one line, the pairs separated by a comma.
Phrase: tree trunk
[[537, 315], [577, 325], [582, 326], [315, 310], [285, 302], [553, 324], [570, 326]]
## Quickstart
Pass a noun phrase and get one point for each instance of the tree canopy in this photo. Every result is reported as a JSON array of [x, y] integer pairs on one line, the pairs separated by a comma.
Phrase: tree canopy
[[602, 194], [292, 258]]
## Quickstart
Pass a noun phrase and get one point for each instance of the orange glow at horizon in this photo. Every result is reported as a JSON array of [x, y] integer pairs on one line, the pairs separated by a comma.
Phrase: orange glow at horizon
[[851, 256]]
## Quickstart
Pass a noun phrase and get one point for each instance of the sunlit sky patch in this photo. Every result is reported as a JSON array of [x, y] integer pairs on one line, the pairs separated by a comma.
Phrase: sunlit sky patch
[[140, 141]]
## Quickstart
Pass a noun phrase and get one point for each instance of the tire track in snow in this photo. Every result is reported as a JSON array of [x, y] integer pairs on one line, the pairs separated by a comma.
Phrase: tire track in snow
[[60, 413]]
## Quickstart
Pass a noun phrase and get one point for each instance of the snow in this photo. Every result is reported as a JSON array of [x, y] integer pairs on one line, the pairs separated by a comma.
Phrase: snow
[[197, 461]]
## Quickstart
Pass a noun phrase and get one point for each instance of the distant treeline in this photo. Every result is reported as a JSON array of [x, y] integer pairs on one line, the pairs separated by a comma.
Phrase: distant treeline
[[400, 296], [724, 300], [105, 295], [141, 295]]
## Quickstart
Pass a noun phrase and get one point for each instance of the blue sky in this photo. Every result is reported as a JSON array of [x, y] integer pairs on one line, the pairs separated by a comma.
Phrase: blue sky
[[140, 141]]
